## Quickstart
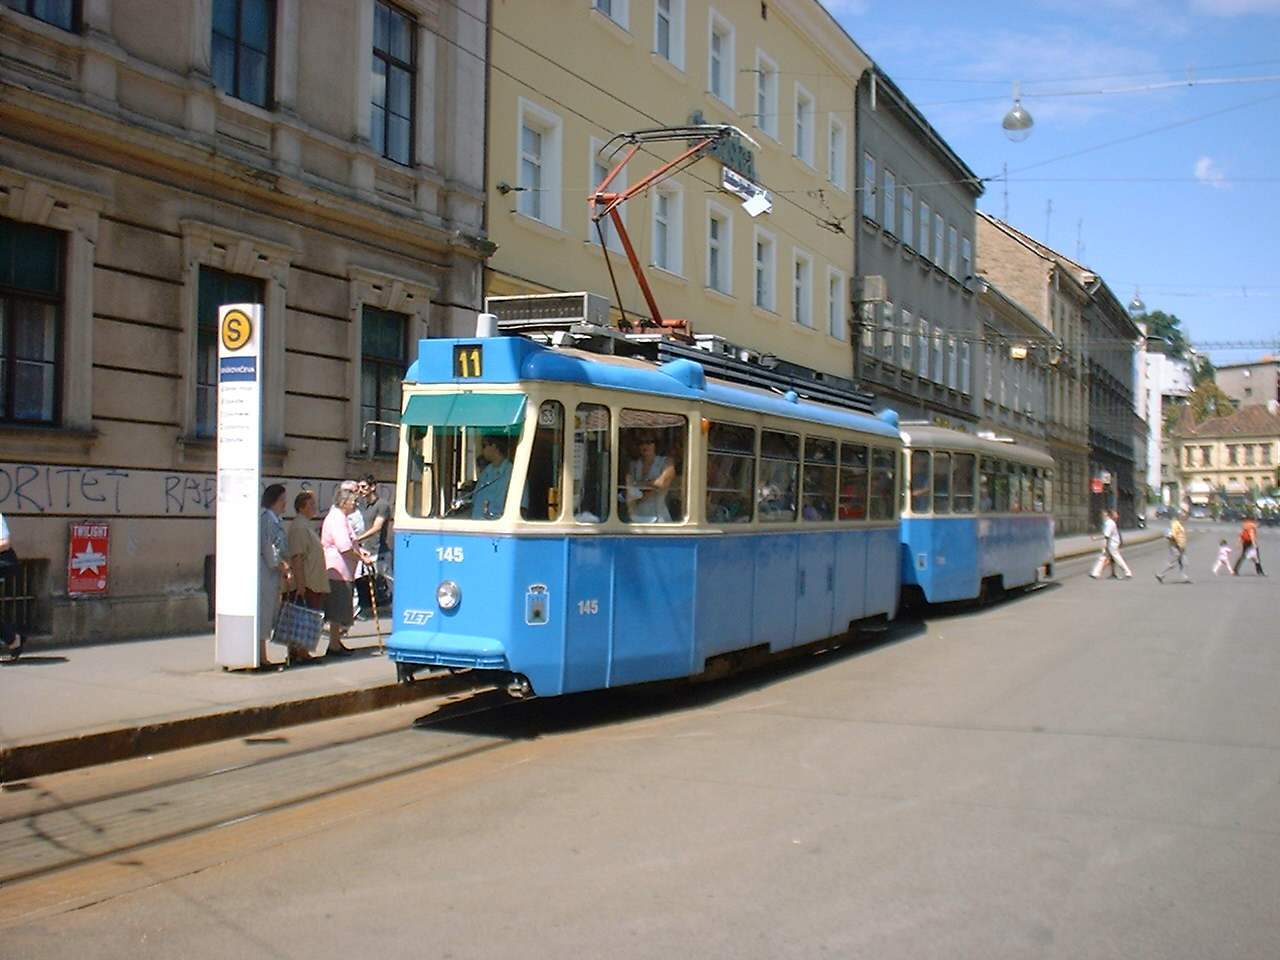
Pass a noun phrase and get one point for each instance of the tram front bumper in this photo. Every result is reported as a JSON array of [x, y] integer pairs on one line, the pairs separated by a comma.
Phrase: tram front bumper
[[448, 650]]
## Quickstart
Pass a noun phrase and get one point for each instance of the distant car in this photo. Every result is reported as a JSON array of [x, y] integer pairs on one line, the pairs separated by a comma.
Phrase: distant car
[[1199, 513], [1164, 511]]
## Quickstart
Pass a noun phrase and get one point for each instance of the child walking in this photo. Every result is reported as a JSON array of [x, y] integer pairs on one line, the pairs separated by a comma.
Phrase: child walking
[[1224, 558]]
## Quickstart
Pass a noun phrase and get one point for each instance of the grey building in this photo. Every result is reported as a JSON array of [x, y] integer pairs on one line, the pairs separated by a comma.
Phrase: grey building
[[918, 329], [1250, 383]]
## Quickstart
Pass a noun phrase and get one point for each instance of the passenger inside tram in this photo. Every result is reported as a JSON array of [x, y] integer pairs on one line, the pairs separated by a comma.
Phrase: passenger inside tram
[[649, 477]]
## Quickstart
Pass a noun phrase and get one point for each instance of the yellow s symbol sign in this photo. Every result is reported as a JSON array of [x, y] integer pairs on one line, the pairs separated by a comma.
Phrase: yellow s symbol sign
[[237, 328]]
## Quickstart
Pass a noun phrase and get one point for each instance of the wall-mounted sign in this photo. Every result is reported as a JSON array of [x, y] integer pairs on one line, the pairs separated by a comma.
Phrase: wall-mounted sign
[[755, 198], [730, 151], [87, 559]]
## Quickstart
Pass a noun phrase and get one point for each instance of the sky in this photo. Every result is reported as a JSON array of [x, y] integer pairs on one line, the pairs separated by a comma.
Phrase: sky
[[1173, 191]]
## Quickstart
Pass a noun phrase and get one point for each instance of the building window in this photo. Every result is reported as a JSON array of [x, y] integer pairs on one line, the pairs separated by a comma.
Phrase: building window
[[837, 161], [668, 229], [953, 252], [31, 288], [719, 250], [952, 361], [922, 349], [890, 202], [966, 260], [908, 217], [1248, 454], [1233, 454], [720, 69], [766, 95], [1266, 453], [243, 31], [765, 270], [539, 164], [836, 324], [936, 357], [1206, 456], [964, 367], [804, 125], [869, 186], [802, 289], [391, 127], [887, 334], [908, 338], [59, 13], [668, 31], [384, 355], [924, 228], [216, 289], [937, 239], [615, 10], [600, 170]]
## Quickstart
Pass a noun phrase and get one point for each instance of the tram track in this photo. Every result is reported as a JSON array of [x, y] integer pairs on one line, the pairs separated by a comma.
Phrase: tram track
[[64, 836]]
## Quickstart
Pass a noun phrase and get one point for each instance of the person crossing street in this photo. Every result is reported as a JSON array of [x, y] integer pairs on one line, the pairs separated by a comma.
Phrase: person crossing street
[[1111, 543], [1177, 537]]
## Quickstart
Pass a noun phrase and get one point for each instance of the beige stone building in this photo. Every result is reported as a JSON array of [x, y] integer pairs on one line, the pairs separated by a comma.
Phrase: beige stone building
[[784, 72], [1249, 383], [1031, 274], [1016, 368], [159, 157], [1233, 457]]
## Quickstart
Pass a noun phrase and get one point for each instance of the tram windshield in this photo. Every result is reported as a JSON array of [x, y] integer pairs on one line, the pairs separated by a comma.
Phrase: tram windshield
[[458, 470]]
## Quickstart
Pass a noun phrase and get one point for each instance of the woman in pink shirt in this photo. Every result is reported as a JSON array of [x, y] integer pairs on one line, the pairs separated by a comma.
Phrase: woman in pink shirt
[[340, 558]]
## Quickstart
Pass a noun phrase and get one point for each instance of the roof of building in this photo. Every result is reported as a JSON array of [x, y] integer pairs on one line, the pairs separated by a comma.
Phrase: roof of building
[[1040, 250], [1267, 361], [1255, 420]]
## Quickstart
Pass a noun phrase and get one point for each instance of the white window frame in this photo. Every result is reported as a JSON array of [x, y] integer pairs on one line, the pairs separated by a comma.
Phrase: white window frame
[[952, 362], [966, 260], [888, 336], [869, 186], [552, 129], [804, 108], [925, 227], [908, 337], [937, 361], [767, 115], [953, 252], [764, 296], [675, 32], [890, 219], [923, 347], [939, 233], [802, 288], [619, 11], [908, 217], [673, 193], [965, 347], [718, 25], [837, 152], [725, 217], [837, 303], [619, 183]]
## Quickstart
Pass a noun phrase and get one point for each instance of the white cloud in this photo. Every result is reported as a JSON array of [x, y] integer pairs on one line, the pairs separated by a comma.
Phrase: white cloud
[[1234, 8], [1208, 172]]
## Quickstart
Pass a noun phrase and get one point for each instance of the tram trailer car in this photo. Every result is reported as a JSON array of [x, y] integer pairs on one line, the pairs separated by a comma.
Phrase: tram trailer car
[[977, 515], [570, 521]]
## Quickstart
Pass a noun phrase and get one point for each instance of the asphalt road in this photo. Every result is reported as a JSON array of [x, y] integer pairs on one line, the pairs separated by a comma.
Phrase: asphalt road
[[1090, 770]]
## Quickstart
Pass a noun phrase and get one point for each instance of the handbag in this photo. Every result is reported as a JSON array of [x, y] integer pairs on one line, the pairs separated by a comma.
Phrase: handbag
[[8, 560], [298, 625]]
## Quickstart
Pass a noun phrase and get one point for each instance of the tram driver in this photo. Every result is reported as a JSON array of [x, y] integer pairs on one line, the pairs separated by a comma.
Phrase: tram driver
[[489, 496]]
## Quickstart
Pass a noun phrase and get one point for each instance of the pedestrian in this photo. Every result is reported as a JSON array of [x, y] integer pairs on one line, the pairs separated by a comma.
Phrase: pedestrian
[[1249, 547], [355, 520], [1111, 543], [1224, 558], [340, 558], [11, 639], [1177, 537], [306, 558], [376, 538], [274, 576]]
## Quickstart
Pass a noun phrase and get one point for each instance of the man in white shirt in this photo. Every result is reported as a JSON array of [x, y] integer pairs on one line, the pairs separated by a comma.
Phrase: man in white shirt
[[1110, 547]]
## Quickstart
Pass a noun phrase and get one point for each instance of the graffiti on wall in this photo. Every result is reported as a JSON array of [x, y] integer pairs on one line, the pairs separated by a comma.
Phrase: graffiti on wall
[[37, 489]]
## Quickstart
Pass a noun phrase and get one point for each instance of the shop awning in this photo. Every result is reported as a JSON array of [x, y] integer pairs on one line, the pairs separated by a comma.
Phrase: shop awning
[[464, 410]]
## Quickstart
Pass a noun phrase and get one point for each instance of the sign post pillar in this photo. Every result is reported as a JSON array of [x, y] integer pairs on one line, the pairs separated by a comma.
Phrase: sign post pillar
[[236, 626]]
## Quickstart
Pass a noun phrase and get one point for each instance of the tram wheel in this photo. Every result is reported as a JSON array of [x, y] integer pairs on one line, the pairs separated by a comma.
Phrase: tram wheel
[[404, 674]]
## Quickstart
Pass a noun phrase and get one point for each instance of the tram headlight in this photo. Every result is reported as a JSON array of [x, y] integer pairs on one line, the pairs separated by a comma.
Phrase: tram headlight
[[448, 595]]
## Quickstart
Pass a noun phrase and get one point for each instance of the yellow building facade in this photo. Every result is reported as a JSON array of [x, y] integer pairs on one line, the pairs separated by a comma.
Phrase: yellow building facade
[[564, 82]]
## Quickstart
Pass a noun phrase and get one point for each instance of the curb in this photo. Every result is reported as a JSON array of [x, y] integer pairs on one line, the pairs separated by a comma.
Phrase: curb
[[1075, 553], [23, 761]]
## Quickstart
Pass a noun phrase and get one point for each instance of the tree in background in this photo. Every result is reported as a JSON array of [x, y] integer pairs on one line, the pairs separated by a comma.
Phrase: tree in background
[[1209, 400], [1168, 327]]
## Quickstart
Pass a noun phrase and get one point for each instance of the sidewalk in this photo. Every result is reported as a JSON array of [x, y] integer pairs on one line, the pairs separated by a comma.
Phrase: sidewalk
[[1068, 548], [73, 706]]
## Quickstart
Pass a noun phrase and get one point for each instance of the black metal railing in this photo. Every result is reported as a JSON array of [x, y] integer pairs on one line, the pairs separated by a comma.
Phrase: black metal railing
[[20, 594]]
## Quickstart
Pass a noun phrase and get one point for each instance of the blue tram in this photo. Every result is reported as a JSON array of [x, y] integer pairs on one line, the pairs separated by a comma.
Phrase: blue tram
[[976, 516], [573, 521]]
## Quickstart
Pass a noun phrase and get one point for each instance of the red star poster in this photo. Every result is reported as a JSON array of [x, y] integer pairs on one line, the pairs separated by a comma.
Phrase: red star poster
[[87, 559]]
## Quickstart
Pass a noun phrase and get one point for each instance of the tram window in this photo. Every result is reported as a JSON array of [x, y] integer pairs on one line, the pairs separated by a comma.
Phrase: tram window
[[884, 483], [818, 500], [541, 500], [962, 470], [779, 473], [921, 475], [1037, 490], [417, 488], [1048, 491], [1024, 481], [853, 482], [651, 472], [731, 472], [941, 482], [591, 500], [1001, 486], [987, 486], [459, 473]]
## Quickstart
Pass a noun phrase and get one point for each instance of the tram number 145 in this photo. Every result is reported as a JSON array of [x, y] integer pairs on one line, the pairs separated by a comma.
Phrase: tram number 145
[[588, 608], [449, 554]]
